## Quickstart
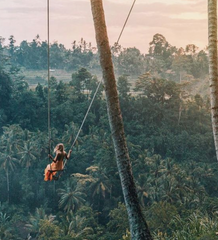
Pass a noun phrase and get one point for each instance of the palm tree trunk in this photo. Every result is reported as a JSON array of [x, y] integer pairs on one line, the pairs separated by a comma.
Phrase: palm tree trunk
[[8, 186], [138, 225], [213, 77]]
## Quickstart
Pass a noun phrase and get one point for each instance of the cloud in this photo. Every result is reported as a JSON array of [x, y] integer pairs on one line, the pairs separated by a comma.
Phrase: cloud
[[152, 10], [180, 21]]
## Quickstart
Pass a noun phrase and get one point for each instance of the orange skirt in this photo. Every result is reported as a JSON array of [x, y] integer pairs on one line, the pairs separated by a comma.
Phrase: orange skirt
[[52, 167]]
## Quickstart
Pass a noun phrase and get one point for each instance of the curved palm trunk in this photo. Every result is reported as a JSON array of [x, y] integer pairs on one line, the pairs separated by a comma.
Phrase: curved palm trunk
[[213, 77], [138, 226]]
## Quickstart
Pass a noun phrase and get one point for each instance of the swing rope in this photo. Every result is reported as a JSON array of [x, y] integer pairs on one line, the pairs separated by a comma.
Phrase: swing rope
[[87, 112], [48, 69], [96, 91], [124, 25], [84, 119]]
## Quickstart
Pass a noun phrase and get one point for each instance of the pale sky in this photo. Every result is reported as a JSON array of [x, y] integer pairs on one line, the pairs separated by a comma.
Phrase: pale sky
[[182, 22]]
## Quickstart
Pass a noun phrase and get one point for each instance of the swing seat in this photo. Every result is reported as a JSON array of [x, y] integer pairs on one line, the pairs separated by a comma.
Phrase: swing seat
[[57, 174], [51, 171]]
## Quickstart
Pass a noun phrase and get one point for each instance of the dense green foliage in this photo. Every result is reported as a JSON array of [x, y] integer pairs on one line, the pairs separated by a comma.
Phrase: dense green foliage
[[163, 59], [168, 131]]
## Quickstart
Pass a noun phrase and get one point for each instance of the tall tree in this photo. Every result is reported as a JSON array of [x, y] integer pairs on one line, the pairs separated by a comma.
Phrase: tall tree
[[138, 226], [213, 72], [8, 164], [71, 197], [6, 89], [11, 49], [28, 154]]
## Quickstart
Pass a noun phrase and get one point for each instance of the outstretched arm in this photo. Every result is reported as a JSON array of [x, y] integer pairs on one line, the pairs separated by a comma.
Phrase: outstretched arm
[[68, 155]]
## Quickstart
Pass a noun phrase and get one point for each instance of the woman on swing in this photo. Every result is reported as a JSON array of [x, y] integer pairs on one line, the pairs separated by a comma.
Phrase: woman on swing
[[58, 162]]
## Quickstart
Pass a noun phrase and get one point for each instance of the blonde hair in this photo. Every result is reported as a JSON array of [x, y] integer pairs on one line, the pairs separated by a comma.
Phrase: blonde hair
[[60, 147]]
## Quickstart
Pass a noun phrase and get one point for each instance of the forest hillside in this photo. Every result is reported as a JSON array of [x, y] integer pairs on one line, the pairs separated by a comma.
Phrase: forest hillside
[[166, 114]]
